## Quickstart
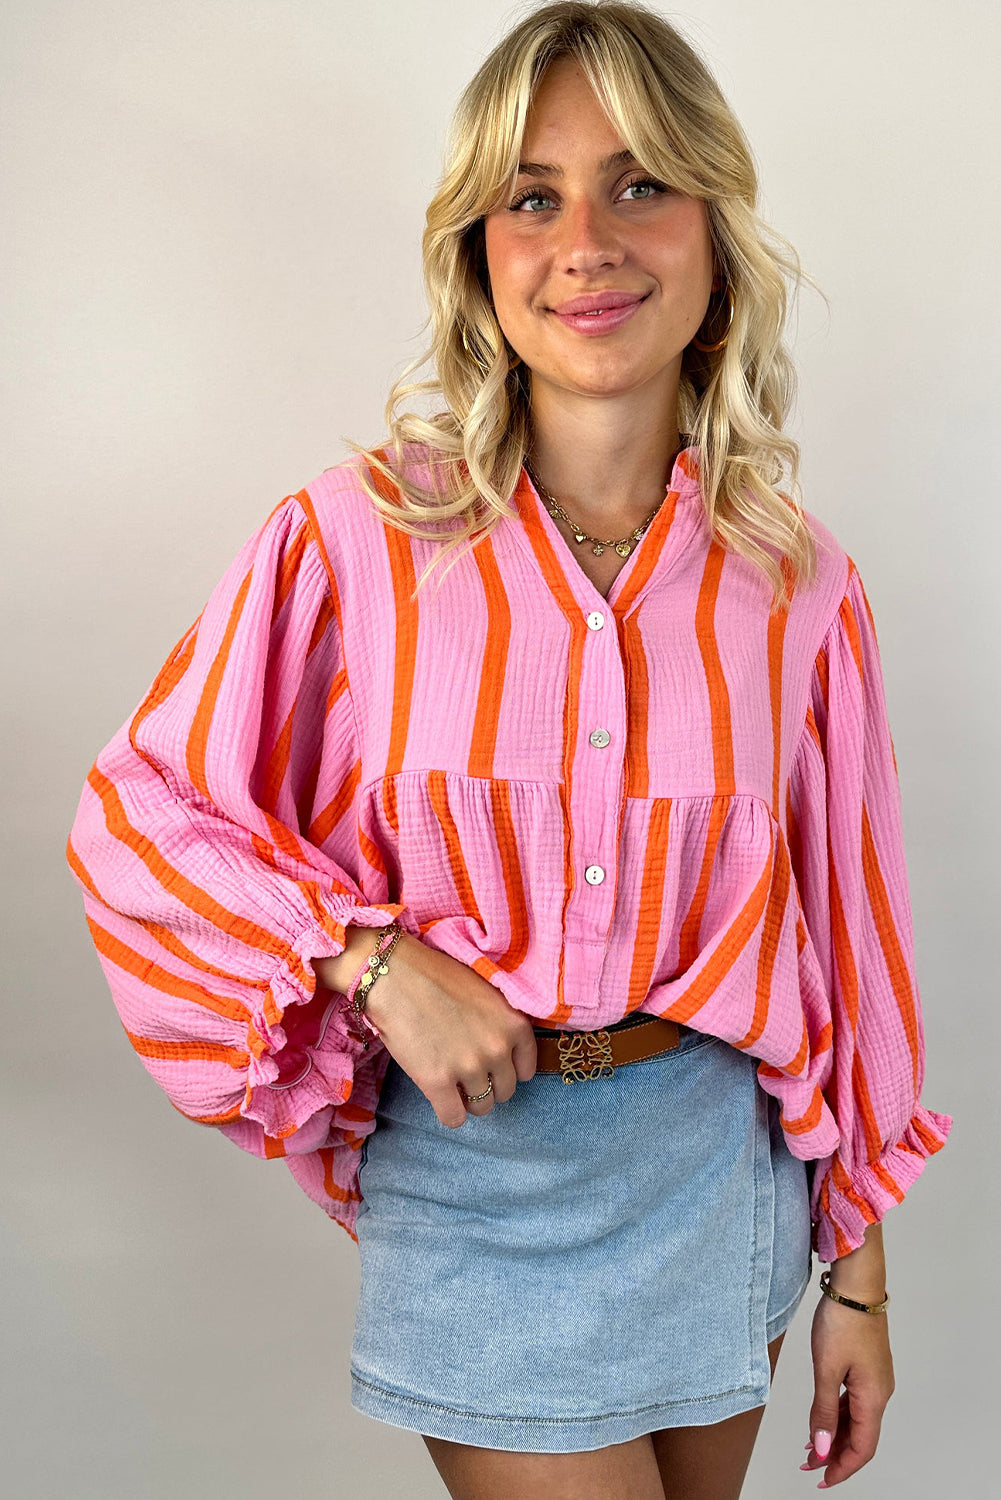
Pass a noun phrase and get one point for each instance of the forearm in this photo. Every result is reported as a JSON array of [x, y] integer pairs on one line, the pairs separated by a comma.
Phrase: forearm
[[862, 1274]]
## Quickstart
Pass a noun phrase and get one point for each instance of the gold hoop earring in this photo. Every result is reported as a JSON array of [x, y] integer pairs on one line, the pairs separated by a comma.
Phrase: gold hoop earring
[[711, 348]]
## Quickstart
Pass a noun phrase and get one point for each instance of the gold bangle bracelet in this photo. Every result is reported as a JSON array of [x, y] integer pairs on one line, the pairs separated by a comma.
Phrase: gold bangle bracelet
[[868, 1307]]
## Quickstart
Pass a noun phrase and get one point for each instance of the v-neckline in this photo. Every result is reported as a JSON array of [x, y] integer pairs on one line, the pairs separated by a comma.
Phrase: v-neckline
[[667, 523]]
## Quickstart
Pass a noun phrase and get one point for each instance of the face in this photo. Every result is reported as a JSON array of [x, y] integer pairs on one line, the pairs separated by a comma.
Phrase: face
[[579, 224]]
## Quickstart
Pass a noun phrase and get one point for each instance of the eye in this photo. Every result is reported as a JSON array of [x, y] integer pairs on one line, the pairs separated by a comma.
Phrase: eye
[[526, 196], [654, 189], [647, 182]]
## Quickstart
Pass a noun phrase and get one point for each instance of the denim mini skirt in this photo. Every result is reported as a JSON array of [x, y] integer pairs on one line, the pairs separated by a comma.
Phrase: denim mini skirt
[[587, 1262]]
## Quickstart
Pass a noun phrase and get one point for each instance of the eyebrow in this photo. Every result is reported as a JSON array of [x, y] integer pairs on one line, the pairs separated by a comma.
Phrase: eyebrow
[[547, 169]]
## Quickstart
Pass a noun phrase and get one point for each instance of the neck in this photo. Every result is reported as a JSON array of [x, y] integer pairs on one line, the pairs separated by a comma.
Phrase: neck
[[607, 460]]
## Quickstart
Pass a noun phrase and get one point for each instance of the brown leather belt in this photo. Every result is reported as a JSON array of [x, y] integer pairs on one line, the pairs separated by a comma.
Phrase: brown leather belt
[[596, 1054]]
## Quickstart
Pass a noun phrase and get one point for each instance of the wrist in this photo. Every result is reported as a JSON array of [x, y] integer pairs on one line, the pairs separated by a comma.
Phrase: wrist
[[378, 1001], [337, 973], [862, 1273]]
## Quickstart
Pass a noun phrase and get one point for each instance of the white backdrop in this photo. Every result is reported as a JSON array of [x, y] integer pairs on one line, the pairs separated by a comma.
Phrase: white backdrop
[[213, 213]]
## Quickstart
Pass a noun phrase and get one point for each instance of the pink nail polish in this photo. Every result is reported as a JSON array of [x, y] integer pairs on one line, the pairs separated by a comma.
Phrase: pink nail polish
[[822, 1443]]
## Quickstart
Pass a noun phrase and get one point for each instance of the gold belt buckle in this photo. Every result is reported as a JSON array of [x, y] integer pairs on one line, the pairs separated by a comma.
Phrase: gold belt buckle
[[585, 1054]]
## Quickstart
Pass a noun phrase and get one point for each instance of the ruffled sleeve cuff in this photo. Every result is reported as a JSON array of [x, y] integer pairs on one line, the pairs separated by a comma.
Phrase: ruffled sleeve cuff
[[301, 1056], [844, 1204]]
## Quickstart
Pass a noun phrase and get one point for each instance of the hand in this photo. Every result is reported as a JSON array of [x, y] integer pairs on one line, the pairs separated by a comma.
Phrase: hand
[[450, 1030], [851, 1348]]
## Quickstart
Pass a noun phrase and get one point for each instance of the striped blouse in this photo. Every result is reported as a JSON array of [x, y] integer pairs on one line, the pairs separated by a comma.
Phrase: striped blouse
[[669, 800]]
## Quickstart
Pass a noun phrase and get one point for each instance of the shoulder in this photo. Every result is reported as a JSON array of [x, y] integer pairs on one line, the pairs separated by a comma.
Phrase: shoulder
[[337, 500], [821, 600], [344, 518]]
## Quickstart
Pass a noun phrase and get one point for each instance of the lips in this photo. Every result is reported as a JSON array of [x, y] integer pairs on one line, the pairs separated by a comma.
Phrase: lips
[[607, 312], [599, 302]]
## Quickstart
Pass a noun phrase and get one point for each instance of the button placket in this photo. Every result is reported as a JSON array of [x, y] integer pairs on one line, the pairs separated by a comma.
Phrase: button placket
[[598, 779]]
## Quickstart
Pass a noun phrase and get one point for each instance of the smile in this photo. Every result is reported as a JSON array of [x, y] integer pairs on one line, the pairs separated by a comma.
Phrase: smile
[[601, 320]]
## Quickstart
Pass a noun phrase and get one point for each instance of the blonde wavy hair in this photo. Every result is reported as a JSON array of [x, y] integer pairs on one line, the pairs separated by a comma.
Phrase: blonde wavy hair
[[670, 112]]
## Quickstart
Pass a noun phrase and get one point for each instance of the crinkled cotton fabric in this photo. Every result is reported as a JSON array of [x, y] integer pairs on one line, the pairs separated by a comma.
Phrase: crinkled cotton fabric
[[668, 799]]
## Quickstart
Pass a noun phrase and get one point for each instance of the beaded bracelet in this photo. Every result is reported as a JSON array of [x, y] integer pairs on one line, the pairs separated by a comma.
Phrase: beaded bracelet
[[869, 1307], [358, 990]]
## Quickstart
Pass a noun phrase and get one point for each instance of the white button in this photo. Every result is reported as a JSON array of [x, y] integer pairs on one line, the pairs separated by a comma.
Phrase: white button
[[599, 738], [595, 620], [594, 874]]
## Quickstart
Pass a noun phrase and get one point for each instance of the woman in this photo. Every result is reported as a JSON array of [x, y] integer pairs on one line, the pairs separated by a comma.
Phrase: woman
[[639, 1032]]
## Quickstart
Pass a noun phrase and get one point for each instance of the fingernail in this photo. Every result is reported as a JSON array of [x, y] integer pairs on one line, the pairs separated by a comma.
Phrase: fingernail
[[807, 1467], [823, 1485], [808, 1446], [822, 1443]]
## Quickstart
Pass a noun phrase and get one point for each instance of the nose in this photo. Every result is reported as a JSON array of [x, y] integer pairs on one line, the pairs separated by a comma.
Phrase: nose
[[588, 238]]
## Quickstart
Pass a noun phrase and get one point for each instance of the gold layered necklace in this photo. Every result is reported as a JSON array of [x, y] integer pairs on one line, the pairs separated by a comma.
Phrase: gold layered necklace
[[623, 545]]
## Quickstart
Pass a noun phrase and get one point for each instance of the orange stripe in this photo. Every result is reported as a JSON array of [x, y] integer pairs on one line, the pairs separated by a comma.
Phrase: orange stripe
[[215, 1052], [438, 797], [777, 622], [389, 804], [225, 1117], [820, 667], [809, 1120], [306, 802], [289, 568], [339, 805], [853, 572], [730, 947], [155, 977], [201, 724], [166, 939], [399, 552], [170, 674], [173, 881], [637, 676], [653, 883], [201, 721], [688, 943], [514, 886], [360, 1113], [647, 559], [333, 1190], [843, 1182], [493, 668], [862, 1098], [849, 626], [844, 954], [794, 840], [771, 932], [203, 904], [889, 938], [637, 689], [305, 501], [372, 853], [719, 697]]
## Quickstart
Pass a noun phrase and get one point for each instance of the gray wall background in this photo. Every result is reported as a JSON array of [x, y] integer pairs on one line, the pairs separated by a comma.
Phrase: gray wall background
[[211, 250]]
